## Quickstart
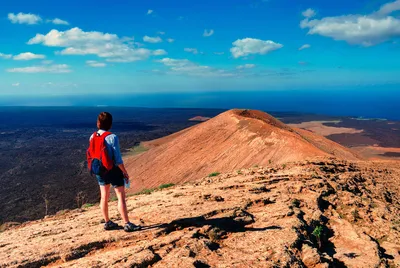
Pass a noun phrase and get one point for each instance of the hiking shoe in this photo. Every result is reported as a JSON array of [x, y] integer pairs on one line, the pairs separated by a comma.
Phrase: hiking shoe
[[130, 227], [110, 226]]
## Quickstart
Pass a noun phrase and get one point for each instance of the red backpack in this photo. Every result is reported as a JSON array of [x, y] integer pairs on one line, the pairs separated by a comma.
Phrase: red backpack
[[99, 162]]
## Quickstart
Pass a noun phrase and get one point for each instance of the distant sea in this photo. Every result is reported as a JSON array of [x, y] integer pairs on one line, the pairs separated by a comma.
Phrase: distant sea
[[366, 103]]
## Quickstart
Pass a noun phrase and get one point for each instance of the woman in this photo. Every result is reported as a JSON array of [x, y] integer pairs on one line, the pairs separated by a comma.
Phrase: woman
[[115, 177]]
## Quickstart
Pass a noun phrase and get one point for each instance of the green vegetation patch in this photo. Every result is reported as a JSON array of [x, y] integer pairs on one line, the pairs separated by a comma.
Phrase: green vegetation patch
[[164, 186], [318, 231], [150, 191], [87, 205], [145, 191], [214, 174], [137, 150]]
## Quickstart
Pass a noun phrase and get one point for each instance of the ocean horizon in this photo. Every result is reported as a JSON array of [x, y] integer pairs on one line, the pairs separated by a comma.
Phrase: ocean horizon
[[382, 104]]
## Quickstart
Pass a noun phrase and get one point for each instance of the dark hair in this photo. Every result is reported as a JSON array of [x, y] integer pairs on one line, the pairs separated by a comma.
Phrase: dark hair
[[104, 121]]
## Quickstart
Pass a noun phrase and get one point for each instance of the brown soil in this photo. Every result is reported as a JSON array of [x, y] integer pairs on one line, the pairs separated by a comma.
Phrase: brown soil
[[319, 128], [232, 140], [322, 213], [377, 152]]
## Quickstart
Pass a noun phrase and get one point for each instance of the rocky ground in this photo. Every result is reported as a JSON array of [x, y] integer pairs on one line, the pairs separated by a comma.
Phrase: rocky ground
[[325, 213]]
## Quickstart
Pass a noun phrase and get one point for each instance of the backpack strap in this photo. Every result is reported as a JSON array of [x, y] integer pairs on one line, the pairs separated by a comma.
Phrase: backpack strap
[[104, 135]]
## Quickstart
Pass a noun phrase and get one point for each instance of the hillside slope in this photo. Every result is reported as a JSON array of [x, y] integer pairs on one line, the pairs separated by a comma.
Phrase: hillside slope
[[324, 213], [232, 140]]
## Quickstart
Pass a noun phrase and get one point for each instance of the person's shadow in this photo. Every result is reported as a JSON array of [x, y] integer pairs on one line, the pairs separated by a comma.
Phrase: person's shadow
[[233, 224]]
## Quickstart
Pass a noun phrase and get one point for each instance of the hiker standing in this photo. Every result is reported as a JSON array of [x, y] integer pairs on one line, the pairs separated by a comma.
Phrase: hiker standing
[[105, 162]]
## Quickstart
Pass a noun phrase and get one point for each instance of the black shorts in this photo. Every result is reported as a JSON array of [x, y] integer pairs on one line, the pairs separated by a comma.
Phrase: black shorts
[[115, 177]]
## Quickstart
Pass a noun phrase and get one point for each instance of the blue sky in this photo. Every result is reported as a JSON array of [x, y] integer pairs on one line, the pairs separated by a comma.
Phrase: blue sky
[[53, 48]]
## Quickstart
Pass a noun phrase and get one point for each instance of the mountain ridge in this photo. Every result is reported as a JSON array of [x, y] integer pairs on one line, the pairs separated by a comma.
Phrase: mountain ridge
[[232, 140]]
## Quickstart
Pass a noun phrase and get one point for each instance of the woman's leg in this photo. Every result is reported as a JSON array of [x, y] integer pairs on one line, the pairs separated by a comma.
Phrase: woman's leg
[[105, 194], [120, 192]]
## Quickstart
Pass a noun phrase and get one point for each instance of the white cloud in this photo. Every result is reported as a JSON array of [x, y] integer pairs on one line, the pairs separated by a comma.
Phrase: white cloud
[[137, 44], [23, 18], [93, 63], [28, 56], [170, 40], [150, 11], [149, 39], [304, 47], [247, 46], [219, 53], [58, 21], [127, 39], [388, 8], [191, 50], [159, 52], [47, 62], [246, 66], [59, 85], [354, 29], [186, 67], [140, 54], [161, 33], [71, 37], [5, 56], [104, 45], [174, 62], [208, 33], [365, 30], [15, 84], [60, 68], [309, 13]]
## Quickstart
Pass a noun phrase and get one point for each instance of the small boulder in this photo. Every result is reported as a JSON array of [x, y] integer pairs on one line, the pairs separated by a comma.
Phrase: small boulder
[[310, 256]]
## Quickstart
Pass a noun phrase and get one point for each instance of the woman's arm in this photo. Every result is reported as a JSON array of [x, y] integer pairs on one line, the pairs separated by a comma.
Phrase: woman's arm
[[122, 167], [118, 157]]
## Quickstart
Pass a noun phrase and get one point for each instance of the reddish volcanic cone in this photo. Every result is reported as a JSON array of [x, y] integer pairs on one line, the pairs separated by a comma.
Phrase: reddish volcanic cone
[[232, 140]]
